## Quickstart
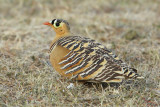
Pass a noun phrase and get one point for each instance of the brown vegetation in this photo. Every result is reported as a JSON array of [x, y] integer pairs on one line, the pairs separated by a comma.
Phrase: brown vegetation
[[130, 28]]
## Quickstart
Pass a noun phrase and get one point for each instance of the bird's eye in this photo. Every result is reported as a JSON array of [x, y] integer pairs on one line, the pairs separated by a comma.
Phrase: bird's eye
[[57, 23]]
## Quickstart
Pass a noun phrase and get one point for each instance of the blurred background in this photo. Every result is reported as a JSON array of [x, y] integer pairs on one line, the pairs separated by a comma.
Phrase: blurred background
[[131, 28]]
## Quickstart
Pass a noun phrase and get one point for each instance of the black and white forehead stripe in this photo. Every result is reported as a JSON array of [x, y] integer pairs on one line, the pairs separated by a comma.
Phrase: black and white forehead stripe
[[55, 21], [58, 21]]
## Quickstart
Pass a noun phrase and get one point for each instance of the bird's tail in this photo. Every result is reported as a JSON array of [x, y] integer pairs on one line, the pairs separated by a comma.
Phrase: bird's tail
[[140, 77], [132, 73]]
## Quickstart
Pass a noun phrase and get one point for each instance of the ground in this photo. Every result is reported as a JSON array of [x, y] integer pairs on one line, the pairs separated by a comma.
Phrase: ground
[[131, 28]]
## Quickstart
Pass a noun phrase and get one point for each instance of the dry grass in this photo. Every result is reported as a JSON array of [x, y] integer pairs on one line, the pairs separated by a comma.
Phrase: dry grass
[[130, 28]]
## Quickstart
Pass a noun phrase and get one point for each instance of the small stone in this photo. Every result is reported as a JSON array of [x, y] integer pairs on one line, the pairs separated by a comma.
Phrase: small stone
[[70, 86]]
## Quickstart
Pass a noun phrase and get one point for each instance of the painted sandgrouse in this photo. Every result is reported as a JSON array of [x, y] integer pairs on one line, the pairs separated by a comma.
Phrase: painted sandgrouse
[[82, 58]]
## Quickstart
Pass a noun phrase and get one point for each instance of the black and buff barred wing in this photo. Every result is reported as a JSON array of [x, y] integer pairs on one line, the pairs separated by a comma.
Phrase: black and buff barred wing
[[94, 61]]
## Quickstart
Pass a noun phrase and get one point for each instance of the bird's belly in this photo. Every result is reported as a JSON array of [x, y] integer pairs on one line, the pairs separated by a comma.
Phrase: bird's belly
[[56, 56]]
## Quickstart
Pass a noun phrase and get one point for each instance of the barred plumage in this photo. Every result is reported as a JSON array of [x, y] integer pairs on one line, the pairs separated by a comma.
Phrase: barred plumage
[[82, 58]]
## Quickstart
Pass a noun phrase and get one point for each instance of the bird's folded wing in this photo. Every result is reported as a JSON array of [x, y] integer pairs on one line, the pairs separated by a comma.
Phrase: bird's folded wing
[[100, 63]]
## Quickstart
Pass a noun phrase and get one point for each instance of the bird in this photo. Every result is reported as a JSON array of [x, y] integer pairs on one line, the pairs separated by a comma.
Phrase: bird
[[83, 59]]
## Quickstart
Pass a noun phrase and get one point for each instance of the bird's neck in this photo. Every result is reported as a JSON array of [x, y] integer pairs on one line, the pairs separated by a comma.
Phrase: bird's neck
[[57, 37]]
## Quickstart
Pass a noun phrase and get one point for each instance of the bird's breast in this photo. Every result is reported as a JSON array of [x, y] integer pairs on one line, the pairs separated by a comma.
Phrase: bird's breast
[[56, 56]]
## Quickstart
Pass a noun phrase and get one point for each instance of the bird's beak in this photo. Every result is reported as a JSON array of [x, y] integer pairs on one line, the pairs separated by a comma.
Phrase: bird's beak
[[47, 23]]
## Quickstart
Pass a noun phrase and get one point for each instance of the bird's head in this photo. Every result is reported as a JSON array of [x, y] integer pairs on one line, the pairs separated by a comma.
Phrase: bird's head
[[61, 27]]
